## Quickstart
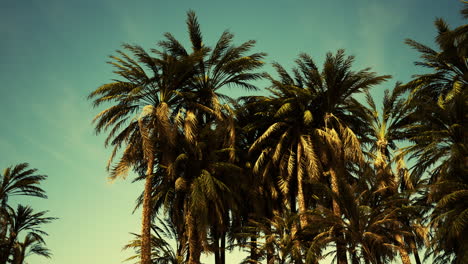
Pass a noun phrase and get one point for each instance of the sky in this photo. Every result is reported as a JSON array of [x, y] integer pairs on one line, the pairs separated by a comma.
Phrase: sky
[[53, 53]]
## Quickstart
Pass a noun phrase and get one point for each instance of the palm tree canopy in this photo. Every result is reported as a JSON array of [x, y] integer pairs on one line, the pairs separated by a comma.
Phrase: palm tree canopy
[[20, 180], [439, 137]]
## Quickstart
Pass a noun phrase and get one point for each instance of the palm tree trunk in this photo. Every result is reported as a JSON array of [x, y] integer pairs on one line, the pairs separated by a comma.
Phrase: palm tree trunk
[[300, 196], [297, 243], [292, 201], [216, 249], [253, 248], [415, 251], [340, 244], [193, 239], [19, 255], [270, 249], [300, 201], [270, 259], [300, 189], [3, 223], [215, 238], [219, 246], [354, 257], [4, 254], [302, 204], [405, 259], [181, 238], [336, 191], [5, 251], [216, 254], [223, 248], [146, 217], [220, 243], [416, 256]]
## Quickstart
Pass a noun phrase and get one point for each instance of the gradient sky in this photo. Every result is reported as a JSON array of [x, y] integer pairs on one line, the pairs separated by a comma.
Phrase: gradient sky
[[53, 54]]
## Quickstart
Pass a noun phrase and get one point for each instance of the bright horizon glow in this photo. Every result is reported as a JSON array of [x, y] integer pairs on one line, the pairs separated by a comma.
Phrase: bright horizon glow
[[54, 54]]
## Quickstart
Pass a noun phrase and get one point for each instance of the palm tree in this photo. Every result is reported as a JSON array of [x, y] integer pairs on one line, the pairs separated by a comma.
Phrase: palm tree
[[223, 65], [203, 116], [276, 239], [16, 180], [139, 118], [439, 138], [251, 119], [448, 65], [31, 244], [293, 153], [20, 180], [161, 249], [368, 224], [180, 83], [24, 219], [385, 128], [203, 185], [313, 127]]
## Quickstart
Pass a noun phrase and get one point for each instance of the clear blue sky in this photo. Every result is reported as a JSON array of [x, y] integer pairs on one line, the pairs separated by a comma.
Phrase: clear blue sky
[[53, 54]]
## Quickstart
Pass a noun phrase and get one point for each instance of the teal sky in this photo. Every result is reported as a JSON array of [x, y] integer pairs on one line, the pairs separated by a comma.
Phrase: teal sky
[[53, 54]]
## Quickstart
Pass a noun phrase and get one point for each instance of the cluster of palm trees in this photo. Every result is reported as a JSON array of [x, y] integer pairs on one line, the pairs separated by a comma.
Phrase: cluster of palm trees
[[20, 228], [304, 173]]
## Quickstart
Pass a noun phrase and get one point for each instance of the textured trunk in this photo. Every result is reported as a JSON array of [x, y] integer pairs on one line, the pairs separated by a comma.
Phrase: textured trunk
[[146, 217], [302, 204], [253, 248], [270, 250], [292, 202], [3, 225], [193, 239], [297, 243], [405, 259], [340, 244], [300, 201], [181, 249], [341, 257], [300, 189], [335, 190], [19, 256], [5, 251]]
